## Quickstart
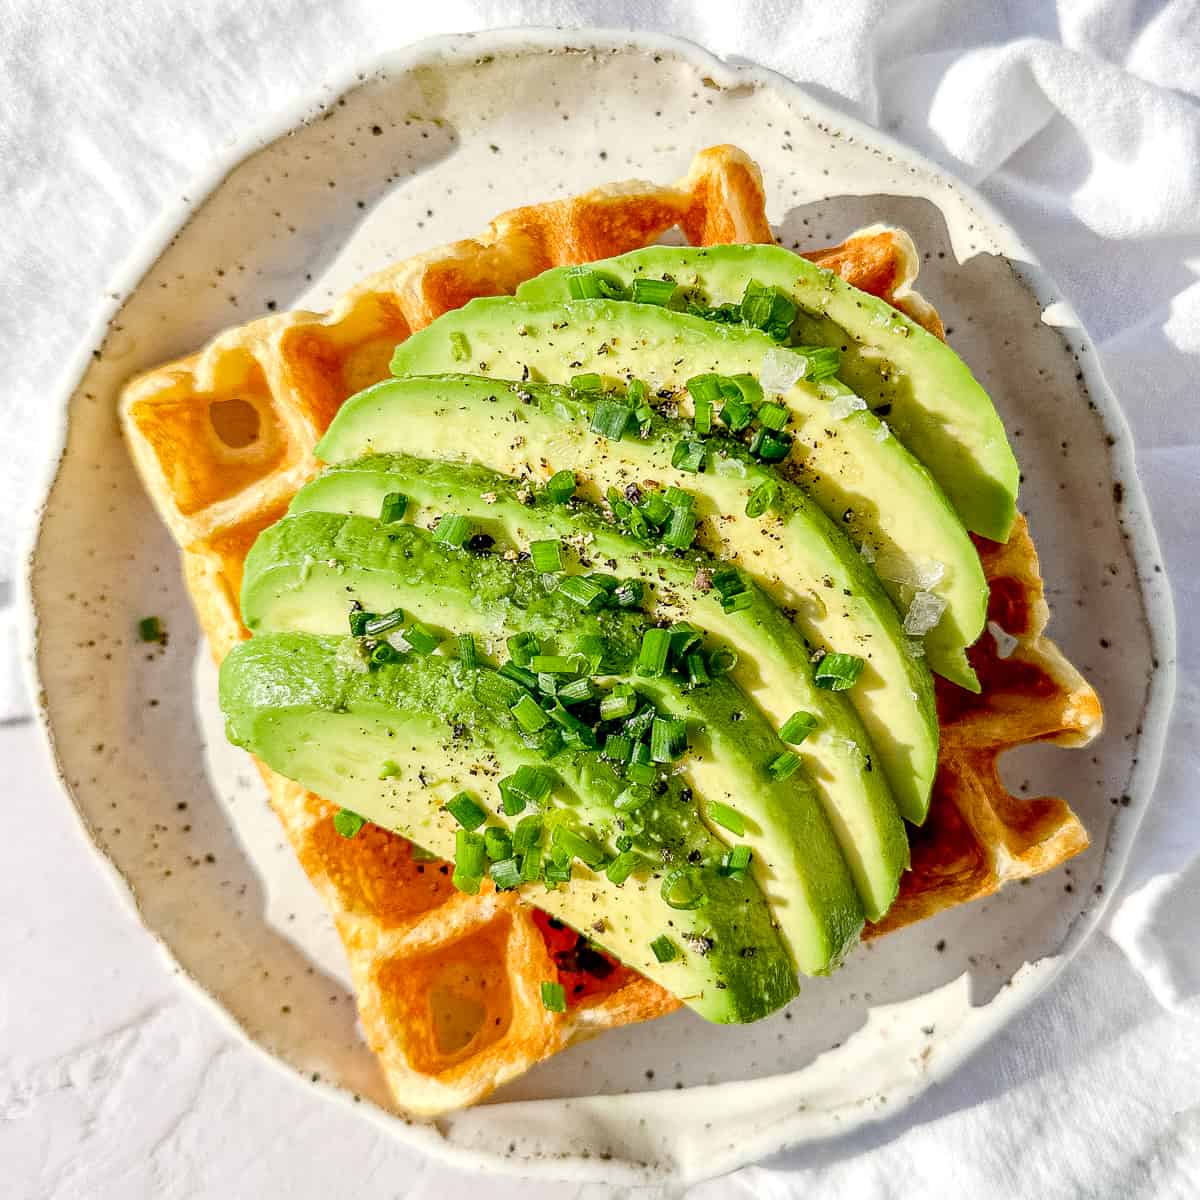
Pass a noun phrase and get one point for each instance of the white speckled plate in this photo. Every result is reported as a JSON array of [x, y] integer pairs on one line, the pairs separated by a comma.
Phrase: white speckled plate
[[426, 147]]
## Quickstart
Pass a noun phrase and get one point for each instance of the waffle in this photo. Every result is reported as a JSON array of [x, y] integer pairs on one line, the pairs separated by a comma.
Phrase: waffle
[[448, 984]]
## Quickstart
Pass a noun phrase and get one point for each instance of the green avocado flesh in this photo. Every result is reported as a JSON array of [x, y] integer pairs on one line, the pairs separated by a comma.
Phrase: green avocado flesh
[[931, 399], [795, 553], [291, 699], [773, 660], [862, 477]]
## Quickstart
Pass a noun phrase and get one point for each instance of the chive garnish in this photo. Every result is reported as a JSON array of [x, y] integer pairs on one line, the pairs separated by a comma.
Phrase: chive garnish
[[837, 672], [468, 652], [664, 949], [526, 678], [652, 658], [575, 845], [576, 692], [652, 291], [529, 785], [586, 284], [557, 871], [770, 446], [688, 456], [452, 530], [506, 874], [460, 349], [531, 865], [622, 866], [358, 621], [586, 383], [383, 654], [561, 486], [522, 647], [557, 664], [696, 672], [762, 498], [668, 739], [528, 714], [546, 555], [554, 997], [465, 811], [348, 824], [610, 419], [585, 592], [641, 773], [497, 843], [735, 862], [629, 593], [150, 629], [721, 661], [682, 889], [616, 745], [618, 703], [632, 798], [393, 508], [384, 623], [771, 415], [797, 727], [419, 638], [784, 765], [389, 769], [726, 817], [681, 529], [527, 834]]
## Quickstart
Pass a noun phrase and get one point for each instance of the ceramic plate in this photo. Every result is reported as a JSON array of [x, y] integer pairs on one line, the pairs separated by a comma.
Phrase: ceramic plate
[[423, 148]]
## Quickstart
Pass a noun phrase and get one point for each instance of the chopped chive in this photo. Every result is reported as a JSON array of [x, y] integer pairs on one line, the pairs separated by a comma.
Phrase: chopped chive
[[652, 291], [150, 629], [389, 769], [639, 725], [468, 652], [727, 581], [823, 361], [531, 784], [593, 648], [557, 871], [726, 817], [585, 592], [696, 672], [837, 672], [629, 593], [652, 658], [770, 446], [393, 508], [688, 456], [735, 862], [506, 874], [547, 555], [624, 842], [797, 727], [684, 638], [470, 856], [384, 623], [738, 602], [784, 765], [528, 714], [632, 798], [617, 746], [531, 865], [420, 639], [664, 949], [527, 834], [762, 498], [682, 889], [636, 392], [742, 388], [466, 883], [721, 661], [548, 684], [577, 691], [522, 647], [554, 997], [736, 414], [358, 621], [618, 703], [452, 530], [773, 416], [561, 486], [642, 774], [497, 843], [702, 417], [655, 508], [465, 811], [498, 690], [668, 739], [526, 678], [623, 866], [460, 349], [348, 824], [586, 284], [609, 583], [678, 498], [681, 529], [610, 419], [587, 383], [575, 845], [575, 732], [382, 654], [705, 387], [557, 664]]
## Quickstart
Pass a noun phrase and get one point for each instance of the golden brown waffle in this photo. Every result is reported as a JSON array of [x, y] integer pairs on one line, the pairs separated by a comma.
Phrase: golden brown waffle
[[448, 984]]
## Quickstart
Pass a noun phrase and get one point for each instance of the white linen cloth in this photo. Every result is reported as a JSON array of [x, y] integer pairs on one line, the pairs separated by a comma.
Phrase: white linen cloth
[[1080, 120]]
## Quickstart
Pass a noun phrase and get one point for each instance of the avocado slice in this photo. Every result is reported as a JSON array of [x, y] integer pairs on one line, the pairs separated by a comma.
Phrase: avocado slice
[[799, 557], [935, 405], [862, 477], [293, 700], [773, 666], [305, 572]]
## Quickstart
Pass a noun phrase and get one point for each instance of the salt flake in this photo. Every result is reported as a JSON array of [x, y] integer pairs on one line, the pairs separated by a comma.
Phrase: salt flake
[[780, 369], [923, 614], [919, 573], [841, 406], [1005, 642]]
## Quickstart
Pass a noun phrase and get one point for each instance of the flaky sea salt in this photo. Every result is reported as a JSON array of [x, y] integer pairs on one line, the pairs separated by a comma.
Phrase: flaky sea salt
[[883, 432], [919, 573], [867, 551], [1005, 642], [841, 406], [350, 656], [780, 369], [923, 614]]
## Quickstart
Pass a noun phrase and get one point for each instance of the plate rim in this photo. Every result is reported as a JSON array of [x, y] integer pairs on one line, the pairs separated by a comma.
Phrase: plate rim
[[1138, 534]]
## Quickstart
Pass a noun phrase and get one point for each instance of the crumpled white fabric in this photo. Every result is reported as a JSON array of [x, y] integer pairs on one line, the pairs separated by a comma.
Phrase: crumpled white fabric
[[1080, 120]]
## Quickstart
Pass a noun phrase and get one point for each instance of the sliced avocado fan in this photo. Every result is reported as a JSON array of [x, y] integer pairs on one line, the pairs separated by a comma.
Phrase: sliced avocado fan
[[398, 743], [795, 553], [928, 394], [773, 664], [845, 458]]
